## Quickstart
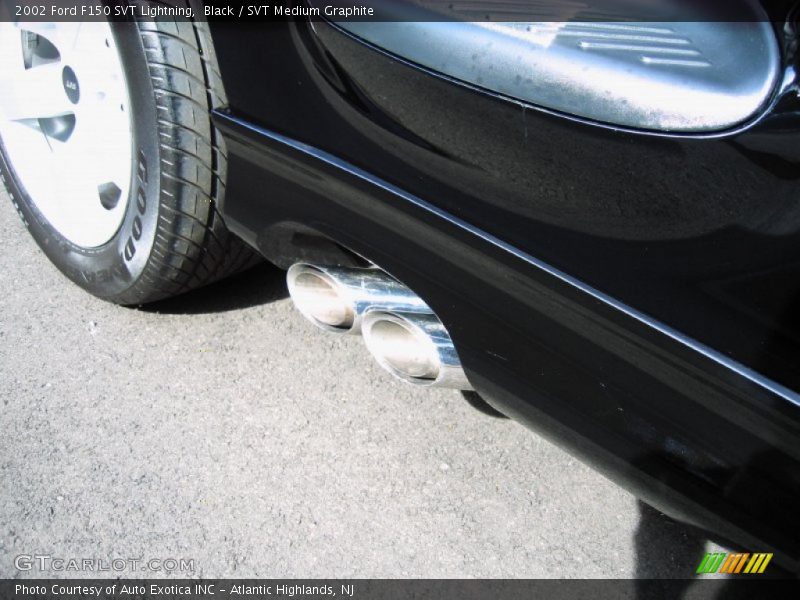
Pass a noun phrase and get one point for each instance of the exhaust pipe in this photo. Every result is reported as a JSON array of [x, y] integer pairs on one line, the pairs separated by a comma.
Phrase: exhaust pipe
[[336, 298], [400, 330], [414, 347]]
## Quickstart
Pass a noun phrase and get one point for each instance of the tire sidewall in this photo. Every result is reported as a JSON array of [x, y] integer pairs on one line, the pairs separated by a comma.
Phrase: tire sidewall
[[111, 270]]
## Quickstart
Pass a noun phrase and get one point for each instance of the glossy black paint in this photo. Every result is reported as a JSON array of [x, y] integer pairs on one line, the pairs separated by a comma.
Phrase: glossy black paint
[[631, 296]]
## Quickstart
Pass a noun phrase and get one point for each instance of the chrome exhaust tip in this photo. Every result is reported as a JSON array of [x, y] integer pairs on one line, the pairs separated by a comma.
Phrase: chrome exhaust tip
[[336, 299], [400, 330], [414, 347], [319, 299]]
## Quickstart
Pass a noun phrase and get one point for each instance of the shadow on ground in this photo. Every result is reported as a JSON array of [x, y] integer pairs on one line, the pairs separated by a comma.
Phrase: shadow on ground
[[665, 548], [481, 405], [261, 284]]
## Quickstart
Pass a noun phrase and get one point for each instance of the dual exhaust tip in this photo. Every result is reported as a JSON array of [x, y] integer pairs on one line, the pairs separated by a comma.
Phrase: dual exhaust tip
[[401, 332]]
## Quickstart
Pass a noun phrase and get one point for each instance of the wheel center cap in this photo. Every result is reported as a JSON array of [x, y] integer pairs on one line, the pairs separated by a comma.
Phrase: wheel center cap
[[71, 87]]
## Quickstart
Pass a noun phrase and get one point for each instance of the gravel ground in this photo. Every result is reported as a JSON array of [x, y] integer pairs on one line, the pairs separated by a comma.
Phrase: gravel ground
[[221, 427]]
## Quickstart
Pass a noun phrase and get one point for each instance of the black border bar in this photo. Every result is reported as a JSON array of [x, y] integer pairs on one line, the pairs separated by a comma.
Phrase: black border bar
[[388, 589], [259, 11]]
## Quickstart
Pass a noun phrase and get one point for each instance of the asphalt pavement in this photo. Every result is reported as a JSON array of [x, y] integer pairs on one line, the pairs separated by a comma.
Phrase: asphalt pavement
[[222, 429]]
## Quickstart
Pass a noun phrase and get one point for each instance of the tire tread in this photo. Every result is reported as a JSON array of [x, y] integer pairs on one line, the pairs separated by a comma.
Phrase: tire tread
[[192, 247]]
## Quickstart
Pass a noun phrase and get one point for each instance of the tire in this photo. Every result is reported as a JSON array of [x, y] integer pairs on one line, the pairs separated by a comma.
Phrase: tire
[[171, 238]]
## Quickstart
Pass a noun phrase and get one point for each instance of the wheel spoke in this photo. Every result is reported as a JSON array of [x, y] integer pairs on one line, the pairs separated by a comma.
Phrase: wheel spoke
[[61, 35], [79, 166], [33, 93]]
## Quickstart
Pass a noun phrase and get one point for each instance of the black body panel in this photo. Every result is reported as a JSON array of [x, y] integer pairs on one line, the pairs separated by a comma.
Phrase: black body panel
[[631, 296]]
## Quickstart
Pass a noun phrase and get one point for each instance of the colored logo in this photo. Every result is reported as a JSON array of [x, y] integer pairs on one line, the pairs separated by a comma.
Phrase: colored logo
[[722, 562]]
